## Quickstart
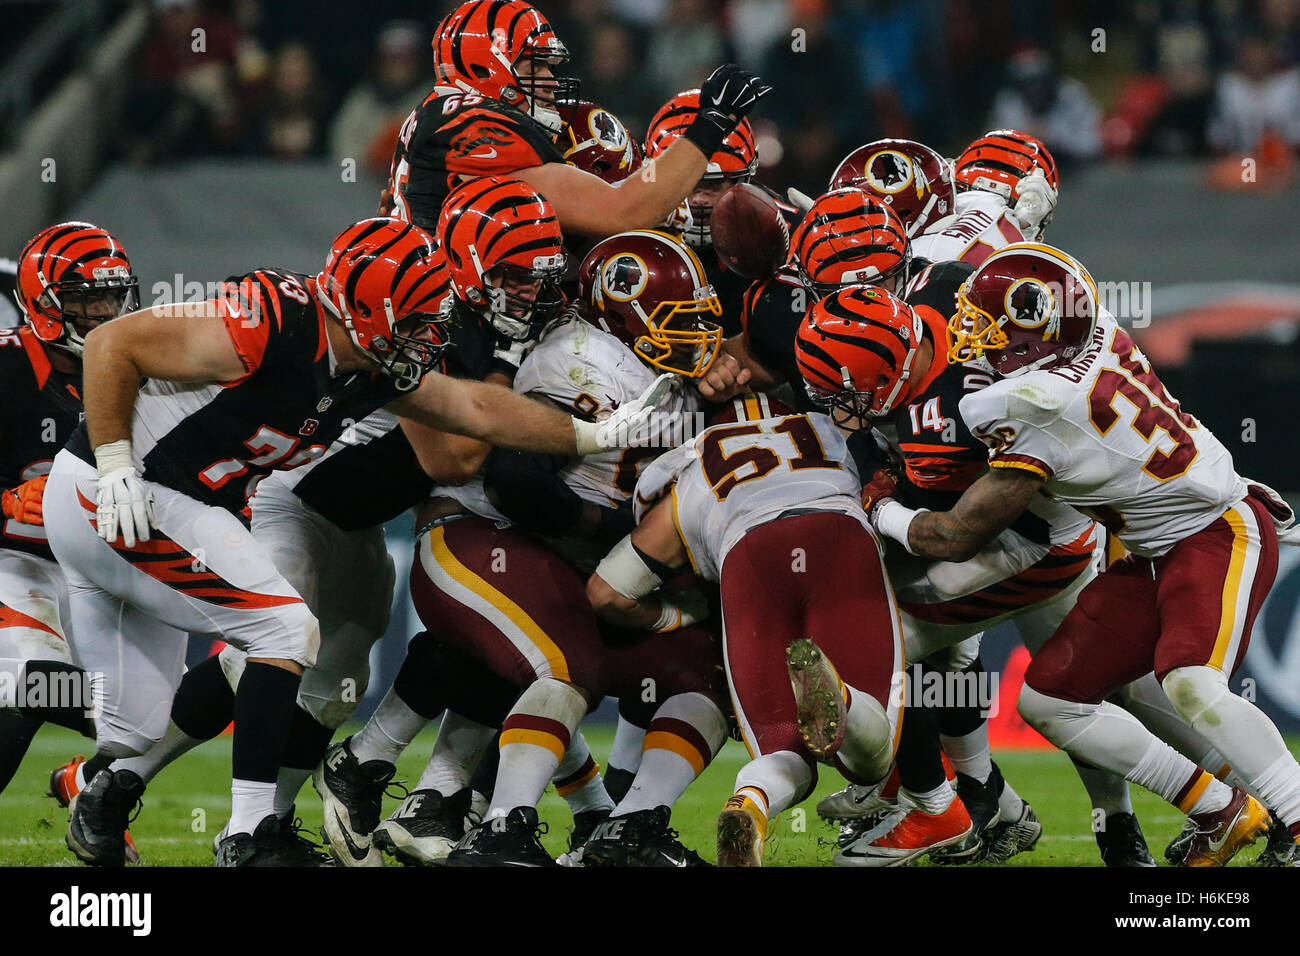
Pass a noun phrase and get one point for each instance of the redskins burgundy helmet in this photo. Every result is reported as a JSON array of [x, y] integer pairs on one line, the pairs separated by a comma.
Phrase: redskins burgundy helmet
[[909, 177], [387, 284], [71, 277], [480, 46], [855, 350], [735, 161], [649, 289], [596, 140], [848, 238], [1027, 306]]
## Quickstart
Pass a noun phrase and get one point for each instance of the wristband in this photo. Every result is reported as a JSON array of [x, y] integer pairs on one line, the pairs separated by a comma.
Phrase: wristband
[[114, 456], [670, 617], [894, 520], [586, 438]]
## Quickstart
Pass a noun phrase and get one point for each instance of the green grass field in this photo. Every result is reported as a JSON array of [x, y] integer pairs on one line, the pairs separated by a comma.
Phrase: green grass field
[[189, 803]]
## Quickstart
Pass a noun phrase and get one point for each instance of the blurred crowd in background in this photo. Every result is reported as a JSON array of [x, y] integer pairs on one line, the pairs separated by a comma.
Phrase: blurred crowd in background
[[1095, 79]]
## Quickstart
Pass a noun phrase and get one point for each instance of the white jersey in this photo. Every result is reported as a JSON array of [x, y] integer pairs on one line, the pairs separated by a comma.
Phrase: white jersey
[[733, 478], [1110, 441], [980, 225]]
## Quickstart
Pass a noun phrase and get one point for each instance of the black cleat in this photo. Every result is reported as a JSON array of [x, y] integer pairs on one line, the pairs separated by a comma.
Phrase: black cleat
[[584, 825], [100, 814], [425, 828], [512, 840], [1122, 844], [275, 842], [1178, 847], [353, 794], [1282, 849], [643, 838], [981, 801], [1011, 837]]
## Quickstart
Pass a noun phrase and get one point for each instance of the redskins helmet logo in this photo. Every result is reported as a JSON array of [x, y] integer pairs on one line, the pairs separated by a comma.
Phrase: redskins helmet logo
[[607, 131], [1030, 304], [889, 171], [624, 277]]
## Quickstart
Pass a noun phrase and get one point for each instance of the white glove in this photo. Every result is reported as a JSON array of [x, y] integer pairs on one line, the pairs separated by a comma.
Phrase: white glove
[[1035, 200], [123, 501], [630, 418], [801, 201], [683, 609], [680, 219]]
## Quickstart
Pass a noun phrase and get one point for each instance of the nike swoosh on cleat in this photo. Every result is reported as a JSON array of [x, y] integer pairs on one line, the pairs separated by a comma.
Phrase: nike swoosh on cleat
[[357, 852]]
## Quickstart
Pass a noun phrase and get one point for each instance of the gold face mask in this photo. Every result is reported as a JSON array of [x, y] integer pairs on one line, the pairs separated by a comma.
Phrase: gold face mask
[[972, 331], [679, 341]]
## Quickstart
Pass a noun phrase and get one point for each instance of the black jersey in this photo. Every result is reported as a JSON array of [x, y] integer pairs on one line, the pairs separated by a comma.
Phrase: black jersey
[[215, 441], [771, 313], [453, 134], [42, 408]]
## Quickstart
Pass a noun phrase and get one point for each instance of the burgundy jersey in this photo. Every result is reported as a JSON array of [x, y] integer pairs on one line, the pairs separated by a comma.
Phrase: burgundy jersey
[[454, 135], [215, 441], [42, 408]]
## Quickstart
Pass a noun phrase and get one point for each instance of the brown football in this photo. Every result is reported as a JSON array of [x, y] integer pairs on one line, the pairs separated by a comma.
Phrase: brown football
[[750, 236]]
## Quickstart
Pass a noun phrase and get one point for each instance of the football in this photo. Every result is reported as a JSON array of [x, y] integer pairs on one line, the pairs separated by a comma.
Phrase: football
[[750, 235]]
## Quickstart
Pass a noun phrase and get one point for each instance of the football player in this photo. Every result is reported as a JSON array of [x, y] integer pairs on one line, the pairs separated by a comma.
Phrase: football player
[[1202, 541], [496, 111], [813, 657], [70, 278], [264, 377]]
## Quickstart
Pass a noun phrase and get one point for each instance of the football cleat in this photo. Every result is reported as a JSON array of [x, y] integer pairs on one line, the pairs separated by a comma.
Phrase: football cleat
[[981, 801], [857, 801], [425, 828], [584, 825], [1177, 849], [63, 787], [1220, 834], [1122, 844], [643, 838], [820, 711], [1282, 849], [99, 816], [1011, 837], [740, 833], [275, 842], [353, 794], [906, 834], [511, 840]]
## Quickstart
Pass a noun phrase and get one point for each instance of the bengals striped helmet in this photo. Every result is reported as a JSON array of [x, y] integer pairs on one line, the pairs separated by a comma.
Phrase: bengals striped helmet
[[847, 238], [735, 161], [482, 44], [909, 177], [998, 160], [596, 140], [506, 254], [71, 277], [855, 350], [650, 290], [387, 284]]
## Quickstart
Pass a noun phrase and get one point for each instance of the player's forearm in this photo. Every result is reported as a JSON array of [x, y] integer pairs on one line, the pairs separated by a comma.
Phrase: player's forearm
[[936, 535], [110, 383], [984, 511], [646, 198], [489, 413]]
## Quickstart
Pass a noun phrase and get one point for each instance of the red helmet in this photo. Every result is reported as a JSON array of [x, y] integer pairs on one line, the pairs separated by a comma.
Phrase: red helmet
[[1028, 306], [855, 350], [998, 160], [848, 238], [479, 46], [735, 161], [751, 407], [506, 254], [381, 274], [910, 177], [596, 140], [63, 271], [649, 289]]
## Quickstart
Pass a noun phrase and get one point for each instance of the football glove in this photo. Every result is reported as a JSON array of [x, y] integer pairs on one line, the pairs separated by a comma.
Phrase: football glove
[[726, 98], [123, 503], [881, 487], [23, 503], [621, 428], [1035, 200], [682, 609], [800, 200]]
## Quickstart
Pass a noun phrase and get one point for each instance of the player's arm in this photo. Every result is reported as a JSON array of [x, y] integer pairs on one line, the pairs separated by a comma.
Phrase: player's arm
[[624, 589], [735, 371], [985, 510], [527, 488], [446, 458]]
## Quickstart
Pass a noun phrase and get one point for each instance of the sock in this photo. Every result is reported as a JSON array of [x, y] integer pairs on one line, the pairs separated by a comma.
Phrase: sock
[[1282, 778], [460, 746], [685, 735], [775, 781], [264, 709], [59, 675], [533, 740], [86, 771], [288, 783], [204, 704], [919, 758], [16, 733], [307, 743], [934, 801], [1107, 791], [173, 744], [970, 754], [577, 779], [389, 731], [629, 739], [484, 780], [868, 747]]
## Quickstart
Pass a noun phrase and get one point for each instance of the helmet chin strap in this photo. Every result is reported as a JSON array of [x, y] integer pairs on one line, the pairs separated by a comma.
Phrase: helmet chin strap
[[913, 347]]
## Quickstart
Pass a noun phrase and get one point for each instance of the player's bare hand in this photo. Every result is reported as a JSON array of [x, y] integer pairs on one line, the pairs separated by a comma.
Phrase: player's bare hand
[[725, 380]]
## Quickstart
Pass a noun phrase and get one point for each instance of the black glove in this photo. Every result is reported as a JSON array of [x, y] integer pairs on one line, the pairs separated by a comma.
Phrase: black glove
[[726, 98]]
